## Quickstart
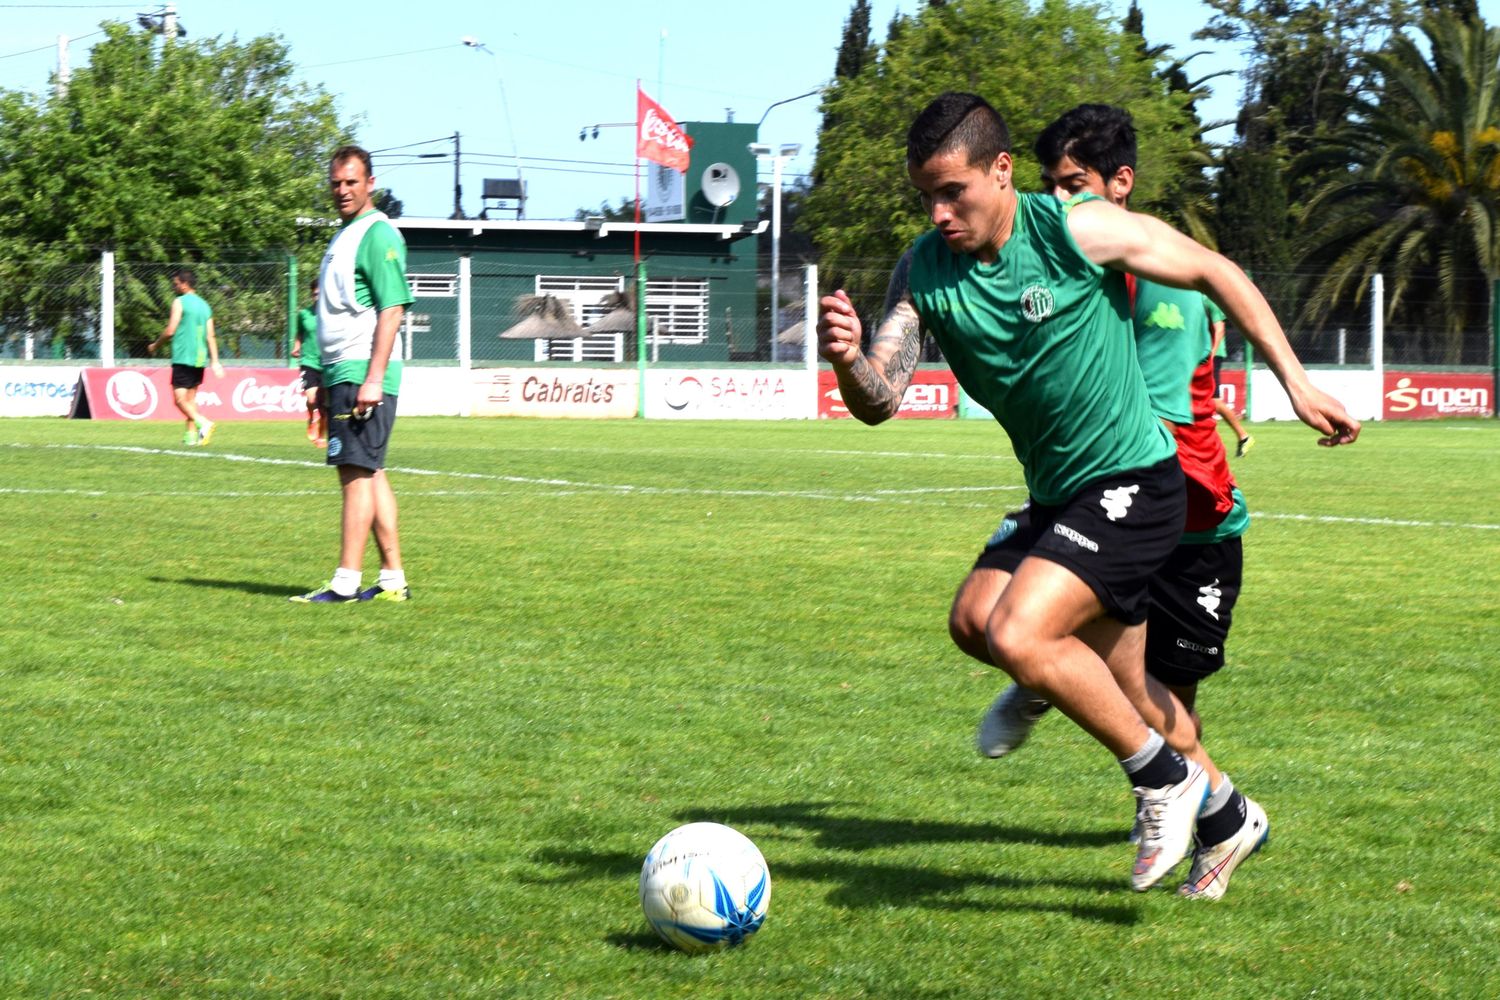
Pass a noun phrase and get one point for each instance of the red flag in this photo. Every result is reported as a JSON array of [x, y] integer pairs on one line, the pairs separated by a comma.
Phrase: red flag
[[657, 136]]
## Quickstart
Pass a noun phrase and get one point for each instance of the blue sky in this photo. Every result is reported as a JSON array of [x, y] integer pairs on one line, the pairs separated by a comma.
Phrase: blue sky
[[548, 68]]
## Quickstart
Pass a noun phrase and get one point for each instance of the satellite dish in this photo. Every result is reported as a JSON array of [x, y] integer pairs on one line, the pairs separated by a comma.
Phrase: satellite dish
[[721, 185]]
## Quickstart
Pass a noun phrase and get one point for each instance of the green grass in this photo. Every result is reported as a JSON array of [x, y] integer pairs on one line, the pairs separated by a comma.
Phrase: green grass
[[620, 627]]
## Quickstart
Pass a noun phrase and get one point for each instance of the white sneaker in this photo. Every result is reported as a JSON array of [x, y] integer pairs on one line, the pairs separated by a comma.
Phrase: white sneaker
[[1008, 722], [1212, 866], [1166, 816]]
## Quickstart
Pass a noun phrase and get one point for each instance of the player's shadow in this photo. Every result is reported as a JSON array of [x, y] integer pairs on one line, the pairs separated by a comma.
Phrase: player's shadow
[[860, 884], [244, 586], [857, 885], [860, 833]]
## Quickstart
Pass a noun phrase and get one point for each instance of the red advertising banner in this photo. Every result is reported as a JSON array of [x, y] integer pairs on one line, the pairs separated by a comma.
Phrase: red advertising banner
[[146, 394], [1232, 388], [1423, 395], [932, 395]]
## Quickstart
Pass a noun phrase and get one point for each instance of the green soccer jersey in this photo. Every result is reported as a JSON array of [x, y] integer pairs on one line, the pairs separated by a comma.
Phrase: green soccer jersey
[[1042, 338], [379, 282], [307, 336], [1172, 339], [190, 342]]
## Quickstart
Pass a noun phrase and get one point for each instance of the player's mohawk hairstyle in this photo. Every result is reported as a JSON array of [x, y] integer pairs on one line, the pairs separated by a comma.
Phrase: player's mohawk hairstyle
[[957, 121]]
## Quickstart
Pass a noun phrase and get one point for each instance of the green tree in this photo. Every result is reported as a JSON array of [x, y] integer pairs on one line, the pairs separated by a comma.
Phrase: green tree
[[170, 152], [854, 49], [1418, 188], [1056, 54], [1188, 201], [1304, 64]]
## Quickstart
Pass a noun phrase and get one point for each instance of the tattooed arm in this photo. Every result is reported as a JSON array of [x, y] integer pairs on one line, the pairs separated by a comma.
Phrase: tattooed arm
[[872, 383]]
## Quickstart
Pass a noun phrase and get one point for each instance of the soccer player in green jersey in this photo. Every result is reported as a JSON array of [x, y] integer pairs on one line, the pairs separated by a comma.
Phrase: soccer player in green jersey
[[1091, 149], [305, 349], [1244, 440], [190, 328], [363, 295], [1026, 299]]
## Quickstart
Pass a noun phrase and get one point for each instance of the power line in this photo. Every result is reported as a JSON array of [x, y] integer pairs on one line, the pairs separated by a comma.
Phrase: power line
[[388, 55], [51, 47]]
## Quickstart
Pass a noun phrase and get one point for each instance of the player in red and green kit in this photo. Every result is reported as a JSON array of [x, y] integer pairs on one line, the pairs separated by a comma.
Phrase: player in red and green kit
[[1026, 298], [362, 297], [305, 349]]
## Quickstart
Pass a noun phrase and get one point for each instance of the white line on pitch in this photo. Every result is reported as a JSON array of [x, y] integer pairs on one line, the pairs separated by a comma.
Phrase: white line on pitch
[[872, 496]]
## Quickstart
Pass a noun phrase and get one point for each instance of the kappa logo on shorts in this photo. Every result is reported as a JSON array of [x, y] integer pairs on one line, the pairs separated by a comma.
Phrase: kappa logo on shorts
[[1116, 502], [1007, 528], [1037, 303], [1082, 541], [1209, 598]]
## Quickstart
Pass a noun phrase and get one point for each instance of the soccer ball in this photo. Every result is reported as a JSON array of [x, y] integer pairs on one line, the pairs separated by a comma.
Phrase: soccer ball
[[705, 886]]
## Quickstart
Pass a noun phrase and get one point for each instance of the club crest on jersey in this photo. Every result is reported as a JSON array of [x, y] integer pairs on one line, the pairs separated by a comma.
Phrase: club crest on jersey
[[1037, 303]]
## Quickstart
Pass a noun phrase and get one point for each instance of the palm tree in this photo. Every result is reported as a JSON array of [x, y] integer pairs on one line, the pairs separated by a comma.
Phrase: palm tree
[[1419, 192]]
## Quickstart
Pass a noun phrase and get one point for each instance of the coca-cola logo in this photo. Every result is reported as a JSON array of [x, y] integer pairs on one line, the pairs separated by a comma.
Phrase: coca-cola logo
[[130, 394], [654, 129], [251, 396]]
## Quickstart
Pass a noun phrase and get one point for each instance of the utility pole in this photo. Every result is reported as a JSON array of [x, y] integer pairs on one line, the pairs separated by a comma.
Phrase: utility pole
[[458, 190], [169, 23], [64, 74]]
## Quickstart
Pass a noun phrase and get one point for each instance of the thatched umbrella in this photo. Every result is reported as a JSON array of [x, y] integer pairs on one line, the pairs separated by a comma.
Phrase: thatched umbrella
[[796, 332], [544, 317], [620, 317]]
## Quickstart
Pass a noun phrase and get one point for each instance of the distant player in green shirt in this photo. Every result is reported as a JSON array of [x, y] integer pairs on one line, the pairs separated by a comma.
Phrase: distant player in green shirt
[[305, 348], [190, 328], [1024, 296], [1244, 440], [362, 297]]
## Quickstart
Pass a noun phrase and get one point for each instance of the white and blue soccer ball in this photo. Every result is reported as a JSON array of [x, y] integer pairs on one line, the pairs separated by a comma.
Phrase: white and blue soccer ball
[[705, 886]]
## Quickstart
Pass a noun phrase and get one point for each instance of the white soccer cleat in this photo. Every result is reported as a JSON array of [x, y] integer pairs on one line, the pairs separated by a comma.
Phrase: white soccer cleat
[[1008, 722], [1166, 816], [1212, 866]]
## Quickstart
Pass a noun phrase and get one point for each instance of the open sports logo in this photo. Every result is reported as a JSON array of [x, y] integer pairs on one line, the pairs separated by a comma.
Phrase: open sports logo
[[130, 394]]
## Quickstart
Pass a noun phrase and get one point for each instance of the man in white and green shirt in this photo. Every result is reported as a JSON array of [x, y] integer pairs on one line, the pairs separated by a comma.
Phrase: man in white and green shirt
[[362, 297]]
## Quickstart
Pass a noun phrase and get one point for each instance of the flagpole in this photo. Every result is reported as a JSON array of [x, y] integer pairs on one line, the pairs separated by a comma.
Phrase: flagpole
[[638, 172], [640, 273]]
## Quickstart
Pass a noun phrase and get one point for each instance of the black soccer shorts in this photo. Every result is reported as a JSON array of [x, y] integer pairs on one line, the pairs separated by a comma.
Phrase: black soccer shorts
[[1113, 535], [186, 377], [1192, 604]]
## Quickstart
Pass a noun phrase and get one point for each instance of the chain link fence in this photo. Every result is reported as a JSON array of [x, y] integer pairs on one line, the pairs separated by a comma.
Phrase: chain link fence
[[64, 312], [575, 310]]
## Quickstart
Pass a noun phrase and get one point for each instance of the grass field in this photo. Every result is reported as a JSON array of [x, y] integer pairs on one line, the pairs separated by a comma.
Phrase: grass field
[[620, 627]]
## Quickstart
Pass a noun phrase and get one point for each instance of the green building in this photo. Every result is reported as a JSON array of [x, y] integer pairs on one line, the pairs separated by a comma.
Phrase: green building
[[702, 302]]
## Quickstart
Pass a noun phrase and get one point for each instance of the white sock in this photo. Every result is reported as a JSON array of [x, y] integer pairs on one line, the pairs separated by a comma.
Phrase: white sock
[[345, 581], [392, 579]]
